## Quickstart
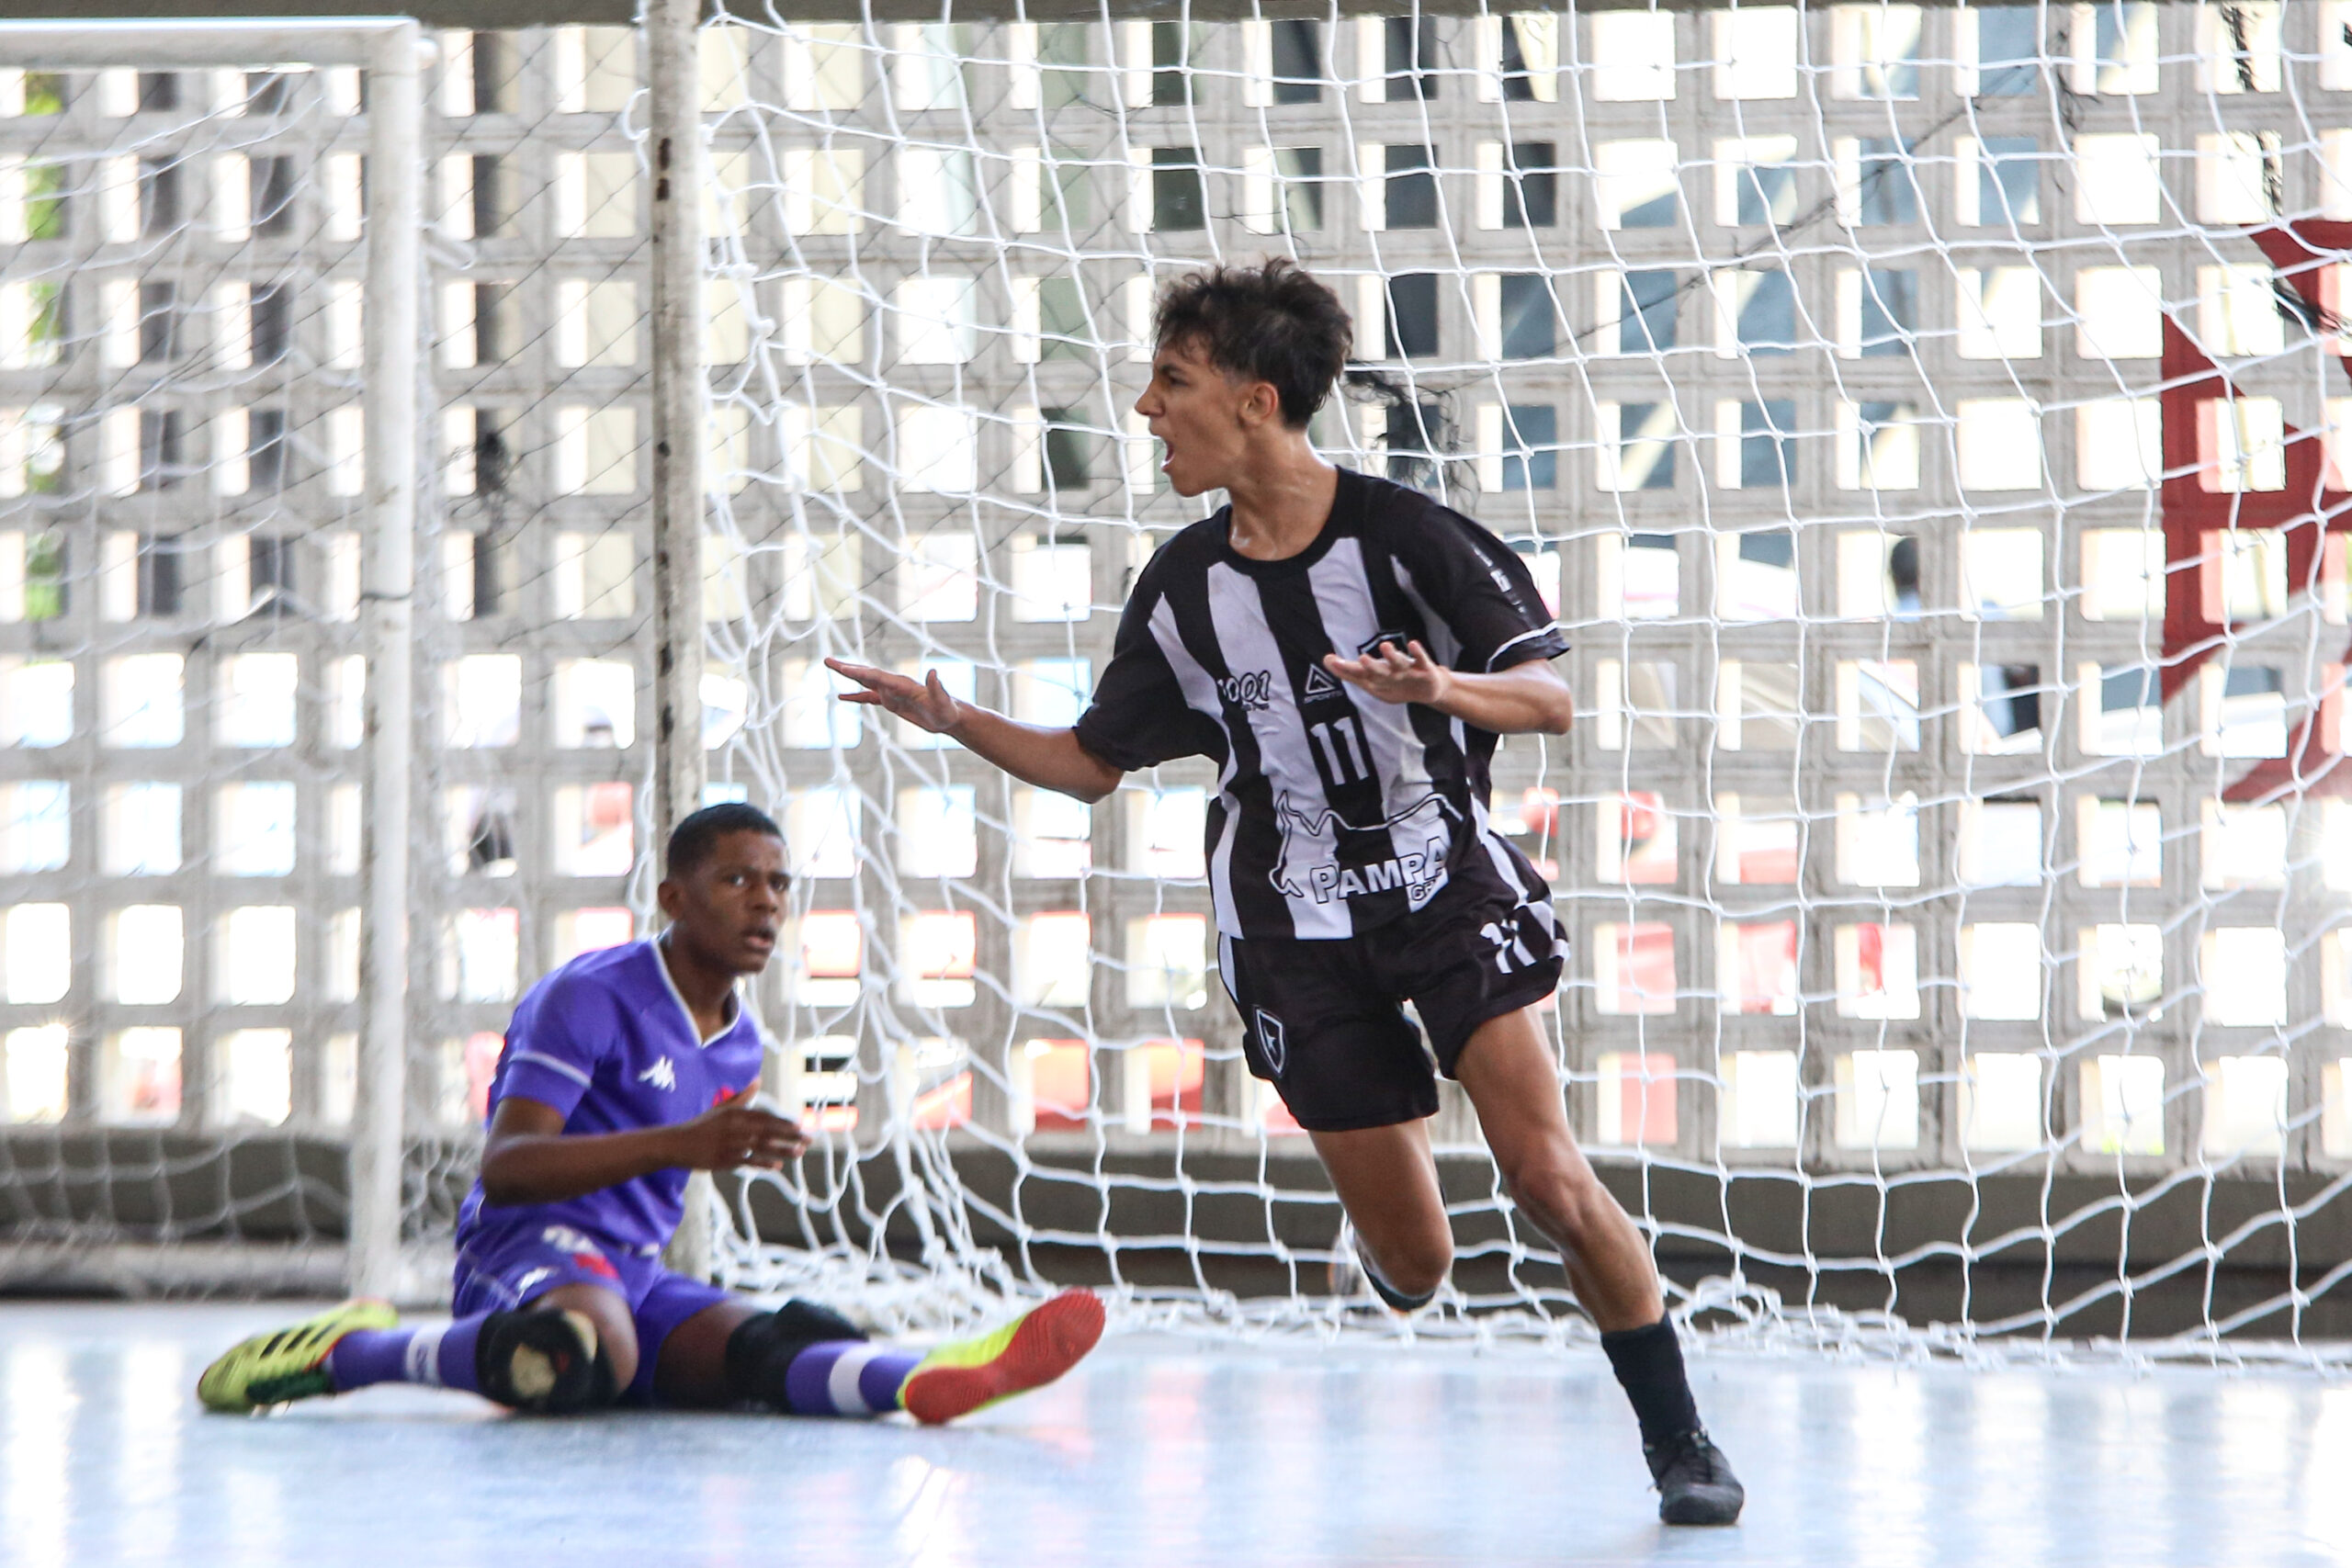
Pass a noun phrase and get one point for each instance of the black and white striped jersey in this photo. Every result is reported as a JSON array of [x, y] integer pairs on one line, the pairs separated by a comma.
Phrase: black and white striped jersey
[[1335, 812]]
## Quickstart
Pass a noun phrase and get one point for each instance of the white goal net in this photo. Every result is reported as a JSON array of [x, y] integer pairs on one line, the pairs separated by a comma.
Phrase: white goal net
[[1926, 423], [196, 460]]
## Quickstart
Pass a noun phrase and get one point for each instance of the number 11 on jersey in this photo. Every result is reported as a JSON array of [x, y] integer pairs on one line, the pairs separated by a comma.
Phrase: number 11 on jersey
[[1345, 757]]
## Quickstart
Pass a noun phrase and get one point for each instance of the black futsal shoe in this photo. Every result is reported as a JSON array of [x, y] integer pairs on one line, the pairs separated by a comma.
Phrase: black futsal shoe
[[1695, 1485]]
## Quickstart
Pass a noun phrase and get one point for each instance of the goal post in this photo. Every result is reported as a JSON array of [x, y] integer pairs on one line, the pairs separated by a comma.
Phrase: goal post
[[390, 52], [681, 415]]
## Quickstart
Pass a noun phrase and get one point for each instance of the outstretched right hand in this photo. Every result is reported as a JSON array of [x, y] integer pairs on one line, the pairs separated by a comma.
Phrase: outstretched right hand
[[925, 705], [735, 1132]]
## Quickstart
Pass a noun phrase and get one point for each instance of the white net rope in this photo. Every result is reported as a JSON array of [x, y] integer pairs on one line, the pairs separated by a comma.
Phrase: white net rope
[[1924, 422], [1948, 840], [181, 280]]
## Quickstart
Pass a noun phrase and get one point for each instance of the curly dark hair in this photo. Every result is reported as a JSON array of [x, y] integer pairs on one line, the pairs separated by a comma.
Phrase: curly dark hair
[[694, 840], [1275, 322]]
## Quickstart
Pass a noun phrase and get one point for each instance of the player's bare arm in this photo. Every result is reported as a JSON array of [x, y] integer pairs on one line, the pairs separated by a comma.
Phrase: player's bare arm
[[1050, 759], [1526, 699], [527, 1158]]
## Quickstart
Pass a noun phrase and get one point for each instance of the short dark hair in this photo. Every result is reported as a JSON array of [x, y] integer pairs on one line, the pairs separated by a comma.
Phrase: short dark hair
[[1274, 323], [693, 840]]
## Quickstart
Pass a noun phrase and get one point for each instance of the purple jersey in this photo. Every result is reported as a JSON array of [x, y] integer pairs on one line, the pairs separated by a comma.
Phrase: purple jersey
[[608, 1041]]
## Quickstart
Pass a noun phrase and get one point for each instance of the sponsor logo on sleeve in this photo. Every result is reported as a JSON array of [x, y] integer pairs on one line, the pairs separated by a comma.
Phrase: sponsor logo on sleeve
[[1253, 691]]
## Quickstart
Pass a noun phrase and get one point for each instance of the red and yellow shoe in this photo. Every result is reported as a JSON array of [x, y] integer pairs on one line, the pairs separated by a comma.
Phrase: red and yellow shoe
[[1029, 1352]]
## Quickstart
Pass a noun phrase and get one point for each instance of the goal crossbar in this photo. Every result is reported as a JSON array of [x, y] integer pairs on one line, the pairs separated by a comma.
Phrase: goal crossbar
[[492, 15], [83, 44]]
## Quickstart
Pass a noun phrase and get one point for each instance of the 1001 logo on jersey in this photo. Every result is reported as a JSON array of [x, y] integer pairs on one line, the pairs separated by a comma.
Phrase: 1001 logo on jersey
[[1251, 692]]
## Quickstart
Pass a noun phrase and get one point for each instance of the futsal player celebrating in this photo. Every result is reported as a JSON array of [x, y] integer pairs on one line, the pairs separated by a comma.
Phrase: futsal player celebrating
[[624, 1070], [1349, 652]]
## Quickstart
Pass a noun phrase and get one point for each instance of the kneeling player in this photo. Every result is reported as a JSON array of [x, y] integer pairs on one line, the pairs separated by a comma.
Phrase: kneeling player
[[1348, 651], [624, 1070]]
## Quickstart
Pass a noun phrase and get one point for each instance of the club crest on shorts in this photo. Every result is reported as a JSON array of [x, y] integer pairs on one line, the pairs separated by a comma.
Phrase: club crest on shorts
[[1271, 1042]]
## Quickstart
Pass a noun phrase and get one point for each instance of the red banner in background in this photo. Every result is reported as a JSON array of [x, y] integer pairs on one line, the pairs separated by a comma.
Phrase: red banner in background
[[2197, 509]]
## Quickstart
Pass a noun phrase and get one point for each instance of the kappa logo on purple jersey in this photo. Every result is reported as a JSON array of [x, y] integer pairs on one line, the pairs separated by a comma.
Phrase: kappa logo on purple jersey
[[661, 1074]]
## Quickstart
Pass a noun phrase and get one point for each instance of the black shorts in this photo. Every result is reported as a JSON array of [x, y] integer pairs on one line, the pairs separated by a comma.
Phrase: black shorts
[[1324, 1020]]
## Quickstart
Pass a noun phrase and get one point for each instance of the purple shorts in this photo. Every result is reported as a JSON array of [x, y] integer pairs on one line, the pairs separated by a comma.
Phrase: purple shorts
[[510, 1268]]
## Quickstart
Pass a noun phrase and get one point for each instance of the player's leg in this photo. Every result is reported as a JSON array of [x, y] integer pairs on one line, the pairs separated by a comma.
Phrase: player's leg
[[1386, 1181], [554, 1355], [712, 1349], [1508, 1070], [799, 1359], [806, 1360], [690, 1361], [1488, 950], [541, 1324], [555, 1351], [573, 1348], [1326, 1030], [544, 1320]]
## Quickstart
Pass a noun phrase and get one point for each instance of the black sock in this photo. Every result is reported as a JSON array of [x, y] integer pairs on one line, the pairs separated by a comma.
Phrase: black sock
[[1648, 1363]]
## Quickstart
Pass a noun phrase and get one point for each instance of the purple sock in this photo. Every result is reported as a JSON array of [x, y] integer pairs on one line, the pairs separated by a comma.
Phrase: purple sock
[[847, 1377], [437, 1356]]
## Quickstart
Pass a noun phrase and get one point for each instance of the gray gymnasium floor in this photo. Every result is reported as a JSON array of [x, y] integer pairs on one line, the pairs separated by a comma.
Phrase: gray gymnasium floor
[[1165, 1451]]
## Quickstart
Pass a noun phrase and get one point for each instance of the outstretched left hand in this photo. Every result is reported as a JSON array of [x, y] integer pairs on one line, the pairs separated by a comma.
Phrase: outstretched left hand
[[1411, 676]]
